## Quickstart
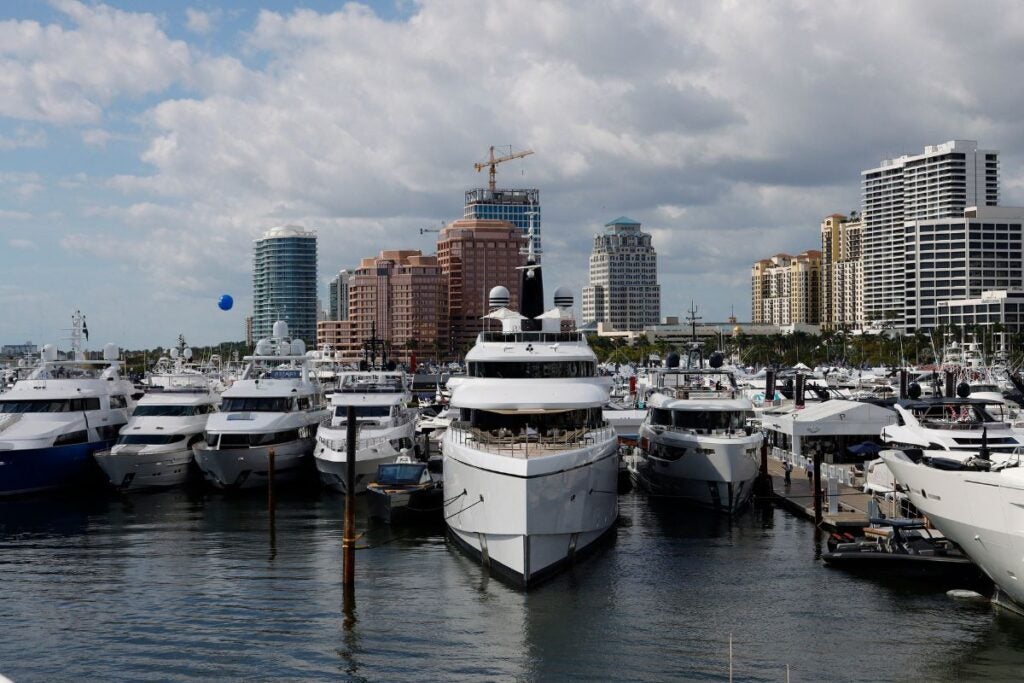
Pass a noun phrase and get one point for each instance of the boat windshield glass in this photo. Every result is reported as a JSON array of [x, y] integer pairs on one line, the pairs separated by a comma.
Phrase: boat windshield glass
[[363, 411], [545, 424], [709, 419], [149, 439], [50, 405], [371, 384], [229, 440], [531, 370], [946, 413], [400, 473], [171, 411], [282, 404]]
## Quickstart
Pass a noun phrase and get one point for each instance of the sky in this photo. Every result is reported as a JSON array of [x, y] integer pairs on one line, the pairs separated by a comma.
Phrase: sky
[[145, 145]]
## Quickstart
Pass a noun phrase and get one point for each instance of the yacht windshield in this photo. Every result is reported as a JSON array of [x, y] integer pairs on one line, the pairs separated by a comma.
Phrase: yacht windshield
[[946, 413], [363, 411], [531, 370], [50, 405], [281, 404], [709, 419], [545, 424], [149, 439], [400, 473], [170, 411]]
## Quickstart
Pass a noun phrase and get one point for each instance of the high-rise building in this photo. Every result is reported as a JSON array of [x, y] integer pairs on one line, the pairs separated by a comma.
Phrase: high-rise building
[[786, 290], [841, 272], [399, 296], [940, 183], [623, 287], [518, 207], [476, 255], [337, 296], [285, 283]]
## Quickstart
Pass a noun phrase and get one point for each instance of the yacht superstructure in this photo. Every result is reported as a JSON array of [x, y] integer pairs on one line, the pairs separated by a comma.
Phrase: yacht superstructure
[[386, 426], [276, 404]]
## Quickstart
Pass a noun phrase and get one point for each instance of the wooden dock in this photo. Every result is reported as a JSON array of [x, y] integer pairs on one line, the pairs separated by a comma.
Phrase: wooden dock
[[798, 498]]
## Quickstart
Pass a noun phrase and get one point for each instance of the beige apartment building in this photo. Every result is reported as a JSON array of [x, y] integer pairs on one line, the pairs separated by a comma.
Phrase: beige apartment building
[[786, 290], [842, 272]]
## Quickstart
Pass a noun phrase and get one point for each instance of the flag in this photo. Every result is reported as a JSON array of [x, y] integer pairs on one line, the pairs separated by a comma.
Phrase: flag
[[85, 330]]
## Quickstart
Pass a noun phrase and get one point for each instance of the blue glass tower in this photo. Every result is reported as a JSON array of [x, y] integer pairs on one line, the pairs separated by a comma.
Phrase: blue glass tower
[[284, 284], [514, 206]]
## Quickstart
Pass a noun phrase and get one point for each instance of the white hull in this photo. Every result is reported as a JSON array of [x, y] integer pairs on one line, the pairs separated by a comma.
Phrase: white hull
[[332, 463], [982, 512], [526, 517], [247, 468], [722, 480], [130, 470]]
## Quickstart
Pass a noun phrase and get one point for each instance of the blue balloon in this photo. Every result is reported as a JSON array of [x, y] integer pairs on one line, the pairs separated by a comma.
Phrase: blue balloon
[[226, 302]]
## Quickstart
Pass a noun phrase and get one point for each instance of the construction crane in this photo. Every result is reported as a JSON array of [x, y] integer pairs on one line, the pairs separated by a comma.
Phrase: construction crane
[[493, 161], [424, 230]]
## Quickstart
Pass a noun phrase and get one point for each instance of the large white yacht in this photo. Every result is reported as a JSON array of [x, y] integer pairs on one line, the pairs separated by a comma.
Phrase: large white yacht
[[64, 411], [276, 404], [155, 448], [386, 423], [958, 425], [530, 465], [977, 504], [695, 443]]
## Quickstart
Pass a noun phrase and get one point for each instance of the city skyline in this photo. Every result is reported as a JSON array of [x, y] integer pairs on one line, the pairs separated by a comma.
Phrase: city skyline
[[144, 150]]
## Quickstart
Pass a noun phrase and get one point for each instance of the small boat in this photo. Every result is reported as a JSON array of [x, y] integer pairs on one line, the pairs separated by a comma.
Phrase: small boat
[[909, 551], [404, 487]]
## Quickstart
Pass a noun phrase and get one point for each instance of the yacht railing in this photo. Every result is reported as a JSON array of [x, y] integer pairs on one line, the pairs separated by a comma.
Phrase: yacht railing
[[342, 444], [965, 425], [503, 442], [685, 393], [735, 432]]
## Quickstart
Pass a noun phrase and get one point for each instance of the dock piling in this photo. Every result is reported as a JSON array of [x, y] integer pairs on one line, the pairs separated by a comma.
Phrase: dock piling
[[817, 487], [349, 539]]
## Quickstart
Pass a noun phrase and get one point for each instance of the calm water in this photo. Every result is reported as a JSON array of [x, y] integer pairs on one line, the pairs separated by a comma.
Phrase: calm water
[[180, 586]]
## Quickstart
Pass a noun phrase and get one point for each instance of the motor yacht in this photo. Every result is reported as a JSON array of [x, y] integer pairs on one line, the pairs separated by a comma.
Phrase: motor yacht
[[975, 503], [530, 465], [155, 448], [53, 421], [386, 427], [275, 405]]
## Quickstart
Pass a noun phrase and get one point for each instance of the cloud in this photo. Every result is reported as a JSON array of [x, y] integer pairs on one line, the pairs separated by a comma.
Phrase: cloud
[[23, 138], [198, 21], [18, 243], [49, 73], [96, 137]]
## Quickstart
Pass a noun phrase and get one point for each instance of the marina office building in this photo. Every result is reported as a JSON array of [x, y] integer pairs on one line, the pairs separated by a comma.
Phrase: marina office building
[[284, 282], [940, 183], [623, 289]]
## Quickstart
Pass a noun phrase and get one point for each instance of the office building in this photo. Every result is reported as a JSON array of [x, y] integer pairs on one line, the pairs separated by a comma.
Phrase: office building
[[285, 282], [842, 273], [786, 290], [942, 182], [622, 288], [337, 296], [475, 255], [517, 207], [992, 309]]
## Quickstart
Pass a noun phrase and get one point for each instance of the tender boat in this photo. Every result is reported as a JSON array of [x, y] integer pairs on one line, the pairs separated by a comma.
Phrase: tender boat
[[530, 465], [405, 488], [695, 443], [386, 424], [975, 503], [53, 421], [275, 405], [155, 448]]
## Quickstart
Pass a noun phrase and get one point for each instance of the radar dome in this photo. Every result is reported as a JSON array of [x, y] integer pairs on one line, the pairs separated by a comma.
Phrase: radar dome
[[298, 347], [264, 347], [672, 360], [963, 390], [914, 390], [498, 298], [110, 351], [174, 354], [563, 297], [280, 329], [49, 352], [187, 353], [716, 360]]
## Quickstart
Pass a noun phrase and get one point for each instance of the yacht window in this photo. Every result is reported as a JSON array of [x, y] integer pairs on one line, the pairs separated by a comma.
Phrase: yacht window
[[545, 424], [531, 370], [72, 438], [363, 411], [666, 452], [253, 440], [281, 404], [118, 401], [400, 473], [708, 419], [35, 406], [149, 439], [169, 411], [212, 439], [660, 416], [303, 403]]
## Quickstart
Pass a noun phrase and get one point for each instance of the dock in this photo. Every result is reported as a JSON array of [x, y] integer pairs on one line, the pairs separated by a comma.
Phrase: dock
[[798, 498]]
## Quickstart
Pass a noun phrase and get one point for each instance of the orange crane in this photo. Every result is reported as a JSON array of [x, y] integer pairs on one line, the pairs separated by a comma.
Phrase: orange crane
[[493, 161]]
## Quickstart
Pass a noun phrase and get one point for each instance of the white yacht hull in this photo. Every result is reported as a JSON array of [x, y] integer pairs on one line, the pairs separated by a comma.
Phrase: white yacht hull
[[248, 468], [332, 463], [720, 480], [132, 468], [979, 511], [524, 518]]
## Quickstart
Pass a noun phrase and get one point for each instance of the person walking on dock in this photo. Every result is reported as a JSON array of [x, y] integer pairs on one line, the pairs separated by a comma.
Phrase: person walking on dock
[[810, 472], [787, 469]]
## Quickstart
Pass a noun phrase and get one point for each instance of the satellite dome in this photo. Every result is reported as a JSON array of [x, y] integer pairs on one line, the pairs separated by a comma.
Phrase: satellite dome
[[914, 390], [563, 297], [716, 360], [49, 352], [963, 390], [280, 329], [264, 347], [498, 298], [298, 347], [174, 354], [672, 360], [110, 351], [187, 353]]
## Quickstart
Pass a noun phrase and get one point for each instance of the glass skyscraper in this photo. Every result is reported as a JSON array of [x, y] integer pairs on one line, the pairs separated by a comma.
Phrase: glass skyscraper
[[284, 283], [514, 206]]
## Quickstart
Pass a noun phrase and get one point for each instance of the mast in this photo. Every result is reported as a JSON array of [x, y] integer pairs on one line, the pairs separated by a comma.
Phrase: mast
[[531, 291]]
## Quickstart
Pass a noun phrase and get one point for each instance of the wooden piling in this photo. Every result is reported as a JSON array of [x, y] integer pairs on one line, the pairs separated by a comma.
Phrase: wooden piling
[[271, 503], [817, 488], [349, 538]]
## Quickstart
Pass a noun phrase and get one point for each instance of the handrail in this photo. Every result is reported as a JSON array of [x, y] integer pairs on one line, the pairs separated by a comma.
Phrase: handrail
[[523, 445]]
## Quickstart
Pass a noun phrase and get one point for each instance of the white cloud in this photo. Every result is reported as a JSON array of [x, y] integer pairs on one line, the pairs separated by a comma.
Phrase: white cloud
[[23, 138], [18, 243], [96, 137], [198, 21], [49, 73]]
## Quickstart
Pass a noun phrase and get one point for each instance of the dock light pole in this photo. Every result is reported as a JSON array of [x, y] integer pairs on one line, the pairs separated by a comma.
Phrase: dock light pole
[[348, 543]]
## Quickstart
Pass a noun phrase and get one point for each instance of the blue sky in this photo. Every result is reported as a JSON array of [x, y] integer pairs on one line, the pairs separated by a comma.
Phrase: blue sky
[[145, 145]]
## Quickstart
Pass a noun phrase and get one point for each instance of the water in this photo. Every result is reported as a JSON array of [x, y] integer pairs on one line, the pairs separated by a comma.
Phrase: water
[[186, 586]]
